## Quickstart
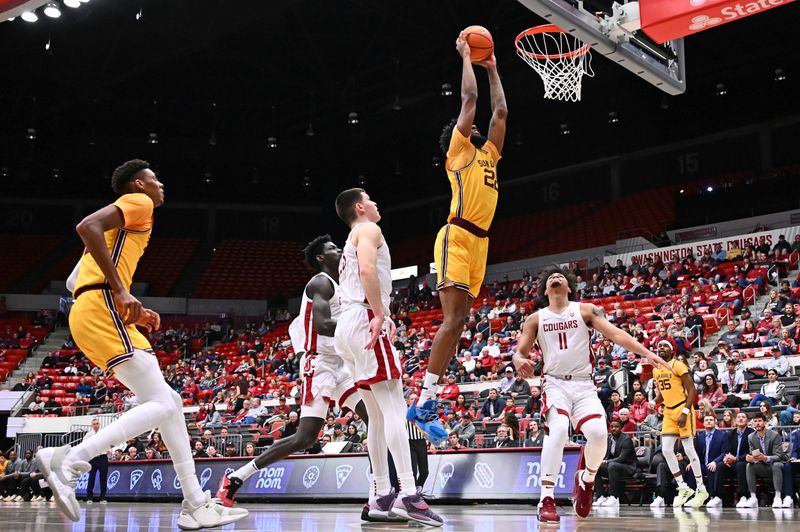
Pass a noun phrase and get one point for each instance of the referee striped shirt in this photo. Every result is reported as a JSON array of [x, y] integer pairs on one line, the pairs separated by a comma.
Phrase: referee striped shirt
[[413, 431]]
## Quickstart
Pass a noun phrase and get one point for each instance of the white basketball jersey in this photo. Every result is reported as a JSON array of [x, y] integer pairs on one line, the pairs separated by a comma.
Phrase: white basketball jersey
[[350, 278], [301, 331], [566, 342]]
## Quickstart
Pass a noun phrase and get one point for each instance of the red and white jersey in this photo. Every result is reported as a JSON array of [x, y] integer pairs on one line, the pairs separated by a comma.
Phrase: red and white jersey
[[301, 331], [350, 277], [566, 342]]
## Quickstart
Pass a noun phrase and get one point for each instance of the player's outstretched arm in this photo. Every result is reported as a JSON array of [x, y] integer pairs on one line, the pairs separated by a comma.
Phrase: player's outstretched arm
[[597, 319], [521, 358], [497, 125], [469, 90], [321, 292], [91, 230]]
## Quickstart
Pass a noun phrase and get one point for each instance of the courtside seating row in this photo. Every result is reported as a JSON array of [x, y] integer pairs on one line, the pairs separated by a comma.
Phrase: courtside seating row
[[250, 269]]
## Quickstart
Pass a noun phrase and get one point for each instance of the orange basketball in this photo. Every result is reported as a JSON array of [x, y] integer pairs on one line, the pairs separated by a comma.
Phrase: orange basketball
[[480, 42]]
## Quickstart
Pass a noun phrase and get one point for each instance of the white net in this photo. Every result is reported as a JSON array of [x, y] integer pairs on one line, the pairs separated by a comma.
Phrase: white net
[[559, 58]]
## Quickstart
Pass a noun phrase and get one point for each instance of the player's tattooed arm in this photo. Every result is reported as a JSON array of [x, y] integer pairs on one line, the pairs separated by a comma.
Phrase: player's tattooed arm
[[596, 312]]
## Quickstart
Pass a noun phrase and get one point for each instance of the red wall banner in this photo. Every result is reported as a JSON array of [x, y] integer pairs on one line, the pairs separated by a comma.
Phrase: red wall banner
[[666, 20]]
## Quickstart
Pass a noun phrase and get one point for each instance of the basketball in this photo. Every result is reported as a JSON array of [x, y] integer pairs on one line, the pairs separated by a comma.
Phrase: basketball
[[480, 43]]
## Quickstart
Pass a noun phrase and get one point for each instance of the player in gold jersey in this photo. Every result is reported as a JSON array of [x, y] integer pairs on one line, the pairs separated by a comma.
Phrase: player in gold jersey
[[102, 321], [462, 245], [676, 390]]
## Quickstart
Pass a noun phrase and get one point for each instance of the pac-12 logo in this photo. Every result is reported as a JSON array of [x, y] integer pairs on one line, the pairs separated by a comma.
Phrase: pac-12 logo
[[155, 479], [484, 475], [342, 472], [136, 474], [310, 477], [445, 473], [113, 478]]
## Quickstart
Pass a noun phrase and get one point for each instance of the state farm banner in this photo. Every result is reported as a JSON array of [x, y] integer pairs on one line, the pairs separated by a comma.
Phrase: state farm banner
[[697, 249], [479, 475], [666, 20]]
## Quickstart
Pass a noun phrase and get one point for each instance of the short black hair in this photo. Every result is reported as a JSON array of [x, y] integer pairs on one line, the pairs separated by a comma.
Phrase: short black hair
[[617, 421], [759, 415], [124, 173], [546, 273], [345, 203], [313, 249], [447, 133]]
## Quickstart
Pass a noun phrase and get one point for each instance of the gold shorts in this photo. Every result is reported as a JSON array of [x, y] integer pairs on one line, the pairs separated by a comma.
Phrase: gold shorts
[[460, 259]]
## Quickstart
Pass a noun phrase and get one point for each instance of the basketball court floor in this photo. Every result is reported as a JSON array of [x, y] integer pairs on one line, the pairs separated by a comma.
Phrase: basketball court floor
[[141, 517]]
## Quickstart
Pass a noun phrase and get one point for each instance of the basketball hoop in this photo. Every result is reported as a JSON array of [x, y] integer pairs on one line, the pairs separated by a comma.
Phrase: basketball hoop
[[558, 57]]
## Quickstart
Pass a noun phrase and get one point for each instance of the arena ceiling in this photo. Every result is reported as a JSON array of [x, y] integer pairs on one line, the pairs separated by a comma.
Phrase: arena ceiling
[[215, 79]]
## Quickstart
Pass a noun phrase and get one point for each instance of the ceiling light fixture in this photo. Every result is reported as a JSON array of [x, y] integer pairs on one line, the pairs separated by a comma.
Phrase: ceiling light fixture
[[613, 117], [720, 89], [352, 118], [51, 10], [272, 143], [780, 75], [564, 129], [72, 3], [29, 16], [447, 89], [152, 138], [30, 134]]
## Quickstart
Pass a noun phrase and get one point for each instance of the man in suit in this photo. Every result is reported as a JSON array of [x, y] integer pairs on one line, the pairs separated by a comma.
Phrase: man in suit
[[712, 446], [492, 408], [790, 467], [619, 465], [765, 459], [736, 460]]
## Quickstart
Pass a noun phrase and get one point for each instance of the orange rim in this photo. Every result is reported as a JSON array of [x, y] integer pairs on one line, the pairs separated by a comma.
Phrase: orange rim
[[547, 28]]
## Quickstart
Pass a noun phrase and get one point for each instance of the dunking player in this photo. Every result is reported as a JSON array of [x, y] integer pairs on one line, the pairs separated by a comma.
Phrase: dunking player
[[326, 378], [461, 245], [569, 394], [363, 338], [675, 388], [103, 323]]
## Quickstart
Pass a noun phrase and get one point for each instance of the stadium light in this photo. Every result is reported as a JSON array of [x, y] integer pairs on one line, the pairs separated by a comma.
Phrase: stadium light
[[72, 3], [780, 75], [721, 90], [29, 16], [564, 129], [272, 142], [709, 189], [51, 10], [447, 89]]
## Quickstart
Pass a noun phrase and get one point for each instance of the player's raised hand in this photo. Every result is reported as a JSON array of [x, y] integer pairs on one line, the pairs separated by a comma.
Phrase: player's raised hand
[[375, 331], [524, 365], [128, 307], [489, 62], [462, 46]]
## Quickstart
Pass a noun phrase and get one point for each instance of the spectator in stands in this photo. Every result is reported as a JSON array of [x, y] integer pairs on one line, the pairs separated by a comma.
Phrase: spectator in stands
[[652, 423], [749, 336], [134, 443], [618, 466], [727, 420], [502, 439], [450, 390], [37, 406], [282, 409], [213, 417], [786, 344], [778, 362], [536, 435], [156, 443], [639, 408], [712, 391], [782, 246], [625, 420], [615, 405], [695, 322], [792, 408], [731, 335], [211, 451], [768, 412], [255, 412], [506, 382], [132, 454], [712, 446], [601, 376], [327, 429], [534, 403], [461, 405], [520, 387], [230, 451], [117, 455], [465, 430], [291, 426], [633, 369], [775, 303], [151, 454], [10, 477], [199, 451], [249, 450], [492, 407], [469, 363], [732, 380], [352, 434], [765, 460], [699, 372], [338, 434], [774, 334]]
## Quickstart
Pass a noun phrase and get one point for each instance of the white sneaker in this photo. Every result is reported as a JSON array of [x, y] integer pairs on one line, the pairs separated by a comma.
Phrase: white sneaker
[[716, 502], [658, 502], [62, 479], [777, 503], [788, 502], [210, 514], [611, 502], [103, 501], [750, 502], [601, 500], [18, 498], [89, 502]]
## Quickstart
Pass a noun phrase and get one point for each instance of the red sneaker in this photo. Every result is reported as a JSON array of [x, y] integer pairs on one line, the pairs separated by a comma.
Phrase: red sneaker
[[227, 490], [547, 511], [582, 495]]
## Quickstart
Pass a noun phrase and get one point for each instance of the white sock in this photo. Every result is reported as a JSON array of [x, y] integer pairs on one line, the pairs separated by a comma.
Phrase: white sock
[[382, 485], [376, 444], [694, 460], [246, 471], [588, 476], [680, 481], [547, 491], [429, 387], [389, 397]]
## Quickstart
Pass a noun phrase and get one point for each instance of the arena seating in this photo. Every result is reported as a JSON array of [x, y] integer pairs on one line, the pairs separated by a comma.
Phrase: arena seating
[[18, 252], [163, 262], [250, 269]]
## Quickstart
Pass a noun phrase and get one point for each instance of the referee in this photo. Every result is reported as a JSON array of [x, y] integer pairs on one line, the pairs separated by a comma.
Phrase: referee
[[418, 445], [99, 463]]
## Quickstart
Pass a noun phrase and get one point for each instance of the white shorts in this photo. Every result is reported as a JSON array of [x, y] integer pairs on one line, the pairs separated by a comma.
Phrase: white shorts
[[326, 380], [576, 399], [371, 365]]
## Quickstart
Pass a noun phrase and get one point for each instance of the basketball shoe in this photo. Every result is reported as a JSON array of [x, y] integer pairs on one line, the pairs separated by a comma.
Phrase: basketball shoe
[[62, 478], [547, 511], [582, 495], [426, 419], [379, 509], [414, 507], [208, 515], [227, 490], [684, 494]]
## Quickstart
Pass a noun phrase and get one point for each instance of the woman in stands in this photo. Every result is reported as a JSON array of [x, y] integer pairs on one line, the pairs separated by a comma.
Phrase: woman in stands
[[250, 450], [749, 336], [700, 371], [156, 443], [772, 421], [713, 298], [461, 406], [713, 391], [727, 420]]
